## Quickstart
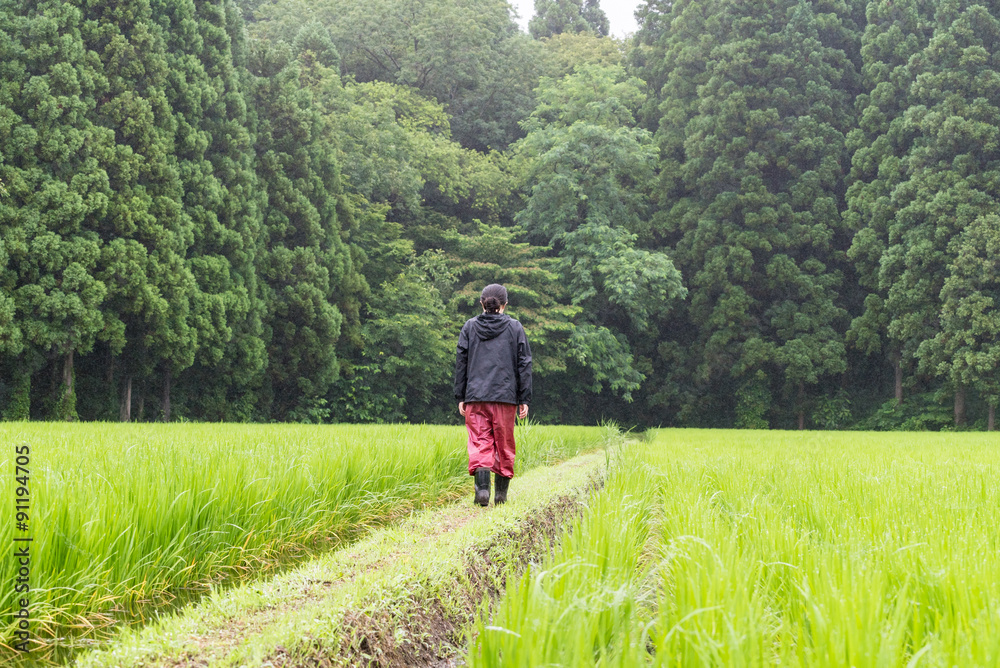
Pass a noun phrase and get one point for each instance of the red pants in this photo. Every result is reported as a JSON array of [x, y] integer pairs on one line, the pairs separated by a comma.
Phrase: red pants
[[491, 436]]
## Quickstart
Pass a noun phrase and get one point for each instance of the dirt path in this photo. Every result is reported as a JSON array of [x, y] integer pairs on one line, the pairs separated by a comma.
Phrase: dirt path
[[219, 641], [404, 596]]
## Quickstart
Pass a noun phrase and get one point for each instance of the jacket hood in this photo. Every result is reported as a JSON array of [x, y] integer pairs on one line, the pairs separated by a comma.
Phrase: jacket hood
[[489, 325]]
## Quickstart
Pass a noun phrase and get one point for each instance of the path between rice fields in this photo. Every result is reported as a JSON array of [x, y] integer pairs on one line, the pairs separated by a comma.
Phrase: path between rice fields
[[404, 596]]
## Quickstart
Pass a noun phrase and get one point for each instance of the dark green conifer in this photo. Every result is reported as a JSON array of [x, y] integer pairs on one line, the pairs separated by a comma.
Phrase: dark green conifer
[[304, 264], [895, 31], [949, 179], [52, 164], [966, 350], [757, 219], [214, 150], [147, 234]]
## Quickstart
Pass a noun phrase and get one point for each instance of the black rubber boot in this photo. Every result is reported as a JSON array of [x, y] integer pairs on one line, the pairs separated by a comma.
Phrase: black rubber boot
[[483, 486], [501, 489]]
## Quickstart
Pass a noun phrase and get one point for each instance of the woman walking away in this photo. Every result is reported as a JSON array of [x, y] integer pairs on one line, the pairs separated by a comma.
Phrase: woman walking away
[[492, 381]]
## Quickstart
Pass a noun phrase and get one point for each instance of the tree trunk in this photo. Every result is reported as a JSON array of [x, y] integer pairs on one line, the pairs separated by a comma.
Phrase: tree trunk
[[19, 406], [960, 406], [142, 400], [991, 418], [899, 381], [126, 412], [166, 397], [68, 404], [802, 407], [54, 378]]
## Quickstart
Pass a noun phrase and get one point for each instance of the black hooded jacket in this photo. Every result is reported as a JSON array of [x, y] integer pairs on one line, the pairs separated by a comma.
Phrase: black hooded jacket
[[493, 361]]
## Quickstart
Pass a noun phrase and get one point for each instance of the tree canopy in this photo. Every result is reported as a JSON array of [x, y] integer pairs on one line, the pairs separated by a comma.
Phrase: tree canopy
[[772, 213]]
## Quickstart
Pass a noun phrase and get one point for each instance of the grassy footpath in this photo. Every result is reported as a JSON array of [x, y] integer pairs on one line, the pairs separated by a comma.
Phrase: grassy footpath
[[770, 548], [125, 518], [401, 596]]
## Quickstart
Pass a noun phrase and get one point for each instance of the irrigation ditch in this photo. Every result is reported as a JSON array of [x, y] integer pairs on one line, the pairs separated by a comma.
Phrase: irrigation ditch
[[425, 630]]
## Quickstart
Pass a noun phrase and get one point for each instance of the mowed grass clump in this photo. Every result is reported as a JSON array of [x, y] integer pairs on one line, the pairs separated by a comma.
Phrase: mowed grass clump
[[126, 517], [770, 548]]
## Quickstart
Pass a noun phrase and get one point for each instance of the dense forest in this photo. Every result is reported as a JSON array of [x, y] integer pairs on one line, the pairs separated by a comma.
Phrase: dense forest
[[763, 213]]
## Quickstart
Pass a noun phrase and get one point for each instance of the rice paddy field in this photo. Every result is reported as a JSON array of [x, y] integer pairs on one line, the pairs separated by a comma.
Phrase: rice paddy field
[[128, 520], [770, 549], [172, 544]]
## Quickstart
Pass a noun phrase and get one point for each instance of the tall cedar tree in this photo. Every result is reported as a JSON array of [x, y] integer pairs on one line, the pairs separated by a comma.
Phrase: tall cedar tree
[[967, 349], [304, 261], [671, 53], [758, 225], [146, 234], [52, 158], [895, 31], [951, 177], [206, 55]]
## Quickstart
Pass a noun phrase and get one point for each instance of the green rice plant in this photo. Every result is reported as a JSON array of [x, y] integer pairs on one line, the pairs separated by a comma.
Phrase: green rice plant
[[771, 548], [828, 550], [583, 604], [126, 518], [391, 596]]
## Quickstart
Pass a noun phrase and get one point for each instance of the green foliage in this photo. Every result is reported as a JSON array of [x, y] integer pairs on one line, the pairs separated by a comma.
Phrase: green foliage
[[555, 17], [410, 342], [608, 358], [753, 401], [469, 56], [753, 180], [360, 399], [223, 198], [304, 263], [396, 145], [313, 44], [920, 167], [54, 152], [924, 411], [65, 405], [600, 95], [491, 254], [833, 412], [671, 54], [586, 175], [967, 349], [19, 404], [951, 169], [569, 50]]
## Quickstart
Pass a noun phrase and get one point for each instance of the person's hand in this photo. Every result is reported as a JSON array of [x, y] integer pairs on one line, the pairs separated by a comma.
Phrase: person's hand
[[522, 411], [461, 408]]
